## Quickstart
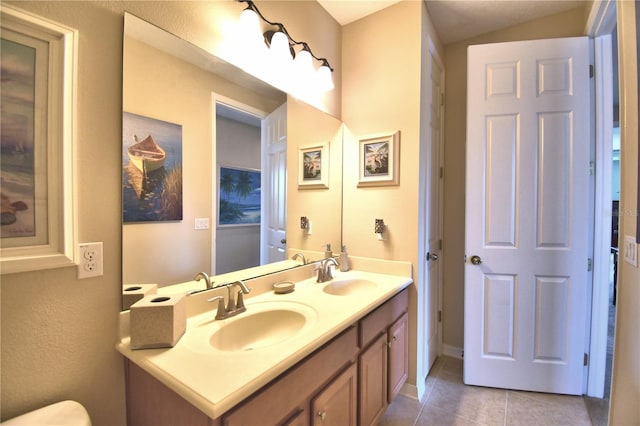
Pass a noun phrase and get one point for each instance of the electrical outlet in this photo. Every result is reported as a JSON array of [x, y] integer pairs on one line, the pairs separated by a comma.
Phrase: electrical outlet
[[89, 260], [630, 251]]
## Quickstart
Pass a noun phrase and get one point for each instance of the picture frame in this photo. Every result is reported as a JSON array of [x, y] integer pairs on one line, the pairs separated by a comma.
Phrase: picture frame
[[239, 196], [38, 156], [379, 160], [151, 170], [313, 167]]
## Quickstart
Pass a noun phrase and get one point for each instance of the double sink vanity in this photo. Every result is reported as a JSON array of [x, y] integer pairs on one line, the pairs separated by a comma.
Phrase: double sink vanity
[[326, 353]]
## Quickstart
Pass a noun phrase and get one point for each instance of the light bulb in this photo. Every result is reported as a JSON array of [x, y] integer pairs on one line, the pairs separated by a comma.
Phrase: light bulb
[[325, 80], [250, 26], [280, 47], [302, 62]]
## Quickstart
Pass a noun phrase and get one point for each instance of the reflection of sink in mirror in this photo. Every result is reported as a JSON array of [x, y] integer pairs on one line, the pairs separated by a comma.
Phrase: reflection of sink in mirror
[[348, 287], [258, 330]]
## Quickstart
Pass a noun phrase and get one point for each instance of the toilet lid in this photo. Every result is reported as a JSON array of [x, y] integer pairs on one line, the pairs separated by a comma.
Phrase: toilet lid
[[65, 413]]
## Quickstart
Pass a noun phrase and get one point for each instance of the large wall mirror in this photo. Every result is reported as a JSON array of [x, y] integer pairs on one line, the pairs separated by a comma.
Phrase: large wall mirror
[[196, 167]]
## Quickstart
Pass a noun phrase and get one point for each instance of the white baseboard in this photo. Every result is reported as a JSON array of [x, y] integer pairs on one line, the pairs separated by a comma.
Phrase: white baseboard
[[452, 351], [410, 391]]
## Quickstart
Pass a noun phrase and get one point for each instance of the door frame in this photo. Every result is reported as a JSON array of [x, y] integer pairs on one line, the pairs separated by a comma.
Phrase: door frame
[[217, 98], [422, 269], [600, 24]]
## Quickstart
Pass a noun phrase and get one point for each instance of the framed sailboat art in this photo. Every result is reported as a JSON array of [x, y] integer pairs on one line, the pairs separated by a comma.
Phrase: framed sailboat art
[[151, 169]]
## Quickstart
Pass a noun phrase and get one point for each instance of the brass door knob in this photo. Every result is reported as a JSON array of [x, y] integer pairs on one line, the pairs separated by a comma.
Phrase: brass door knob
[[476, 260]]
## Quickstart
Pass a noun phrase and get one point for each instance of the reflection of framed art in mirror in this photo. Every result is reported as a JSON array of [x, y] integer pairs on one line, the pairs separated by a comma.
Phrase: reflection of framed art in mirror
[[39, 70], [313, 166], [379, 160], [238, 196], [151, 169]]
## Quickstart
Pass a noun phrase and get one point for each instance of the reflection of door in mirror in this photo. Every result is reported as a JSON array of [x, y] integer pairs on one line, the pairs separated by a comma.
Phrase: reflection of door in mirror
[[251, 192]]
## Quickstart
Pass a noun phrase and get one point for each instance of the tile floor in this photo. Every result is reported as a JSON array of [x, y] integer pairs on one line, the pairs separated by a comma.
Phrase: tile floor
[[448, 401]]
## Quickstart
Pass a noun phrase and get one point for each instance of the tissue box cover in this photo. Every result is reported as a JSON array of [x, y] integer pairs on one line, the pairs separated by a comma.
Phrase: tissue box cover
[[158, 321], [131, 293]]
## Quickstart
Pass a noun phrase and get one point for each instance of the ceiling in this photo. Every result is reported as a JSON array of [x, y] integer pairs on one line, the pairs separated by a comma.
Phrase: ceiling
[[457, 20]]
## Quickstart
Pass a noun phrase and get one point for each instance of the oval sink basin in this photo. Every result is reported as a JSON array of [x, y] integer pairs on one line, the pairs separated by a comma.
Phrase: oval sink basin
[[257, 330], [349, 287]]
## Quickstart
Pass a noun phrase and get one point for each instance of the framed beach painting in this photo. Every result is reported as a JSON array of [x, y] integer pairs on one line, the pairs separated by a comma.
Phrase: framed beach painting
[[37, 141], [313, 167], [239, 202], [151, 169], [379, 160]]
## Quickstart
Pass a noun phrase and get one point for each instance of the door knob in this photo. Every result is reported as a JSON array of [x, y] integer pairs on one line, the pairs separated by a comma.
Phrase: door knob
[[432, 256], [476, 260], [283, 241]]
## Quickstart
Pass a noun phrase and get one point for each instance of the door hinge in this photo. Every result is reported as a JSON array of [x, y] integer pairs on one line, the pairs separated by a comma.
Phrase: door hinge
[[591, 71], [439, 244], [592, 168], [589, 265], [441, 99], [585, 360], [439, 316], [441, 172]]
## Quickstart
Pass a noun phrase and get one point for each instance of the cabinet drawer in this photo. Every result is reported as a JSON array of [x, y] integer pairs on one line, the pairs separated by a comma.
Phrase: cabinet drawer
[[292, 391], [377, 321]]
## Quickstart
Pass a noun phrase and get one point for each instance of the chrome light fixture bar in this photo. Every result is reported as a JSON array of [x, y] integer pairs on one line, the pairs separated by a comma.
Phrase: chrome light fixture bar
[[283, 47]]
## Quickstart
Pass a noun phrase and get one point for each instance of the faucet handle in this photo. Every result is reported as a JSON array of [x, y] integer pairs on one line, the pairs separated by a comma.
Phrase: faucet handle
[[240, 302], [221, 313], [231, 303]]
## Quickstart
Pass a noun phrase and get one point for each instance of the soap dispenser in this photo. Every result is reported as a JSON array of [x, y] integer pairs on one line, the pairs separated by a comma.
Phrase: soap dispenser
[[327, 252], [344, 260]]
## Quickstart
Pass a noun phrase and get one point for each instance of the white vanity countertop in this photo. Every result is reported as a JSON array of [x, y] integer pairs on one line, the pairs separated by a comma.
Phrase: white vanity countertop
[[214, 380]]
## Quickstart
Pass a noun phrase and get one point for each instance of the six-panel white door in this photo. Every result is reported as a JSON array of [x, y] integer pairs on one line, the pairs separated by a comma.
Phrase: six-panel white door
[[527, 214], [274, 186]]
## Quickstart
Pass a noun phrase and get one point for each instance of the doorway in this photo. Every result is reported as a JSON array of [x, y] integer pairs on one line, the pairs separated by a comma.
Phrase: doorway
[[237, 171]]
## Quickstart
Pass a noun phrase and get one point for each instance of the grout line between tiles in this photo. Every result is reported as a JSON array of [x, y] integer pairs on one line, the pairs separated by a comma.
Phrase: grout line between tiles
[[506, 407]]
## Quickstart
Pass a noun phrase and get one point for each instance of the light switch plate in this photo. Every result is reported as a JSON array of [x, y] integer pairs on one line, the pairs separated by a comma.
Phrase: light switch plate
[[630, 251], [202, 223]]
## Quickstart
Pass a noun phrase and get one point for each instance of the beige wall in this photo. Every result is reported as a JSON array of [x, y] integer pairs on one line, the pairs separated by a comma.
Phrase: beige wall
[[625, 388], [59, 333], [568, 24], [381, 95], [308, 127]]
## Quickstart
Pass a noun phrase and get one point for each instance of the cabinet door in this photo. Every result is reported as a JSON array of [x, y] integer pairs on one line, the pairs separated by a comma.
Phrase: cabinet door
[[300, 418], [336, 404], [373, 381], [398, 355]]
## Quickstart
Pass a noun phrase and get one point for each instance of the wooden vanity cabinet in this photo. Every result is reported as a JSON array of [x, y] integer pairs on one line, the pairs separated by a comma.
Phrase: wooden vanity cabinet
[[287, 399], [384, 362], [347, 382]]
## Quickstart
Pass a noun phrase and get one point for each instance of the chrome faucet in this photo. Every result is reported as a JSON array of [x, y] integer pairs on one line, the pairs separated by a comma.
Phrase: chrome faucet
[[207, 280], [297, 255], [324, 269], [234, 305]]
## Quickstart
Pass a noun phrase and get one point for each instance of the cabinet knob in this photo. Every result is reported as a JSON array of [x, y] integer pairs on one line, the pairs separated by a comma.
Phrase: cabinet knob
[[322, 415]]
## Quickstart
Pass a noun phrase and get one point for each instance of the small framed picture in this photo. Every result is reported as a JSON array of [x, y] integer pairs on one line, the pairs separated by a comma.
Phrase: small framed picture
[[379, 160], [313, 167]]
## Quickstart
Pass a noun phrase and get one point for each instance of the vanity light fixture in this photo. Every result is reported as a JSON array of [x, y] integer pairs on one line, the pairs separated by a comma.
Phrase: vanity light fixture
[[289, 57]]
